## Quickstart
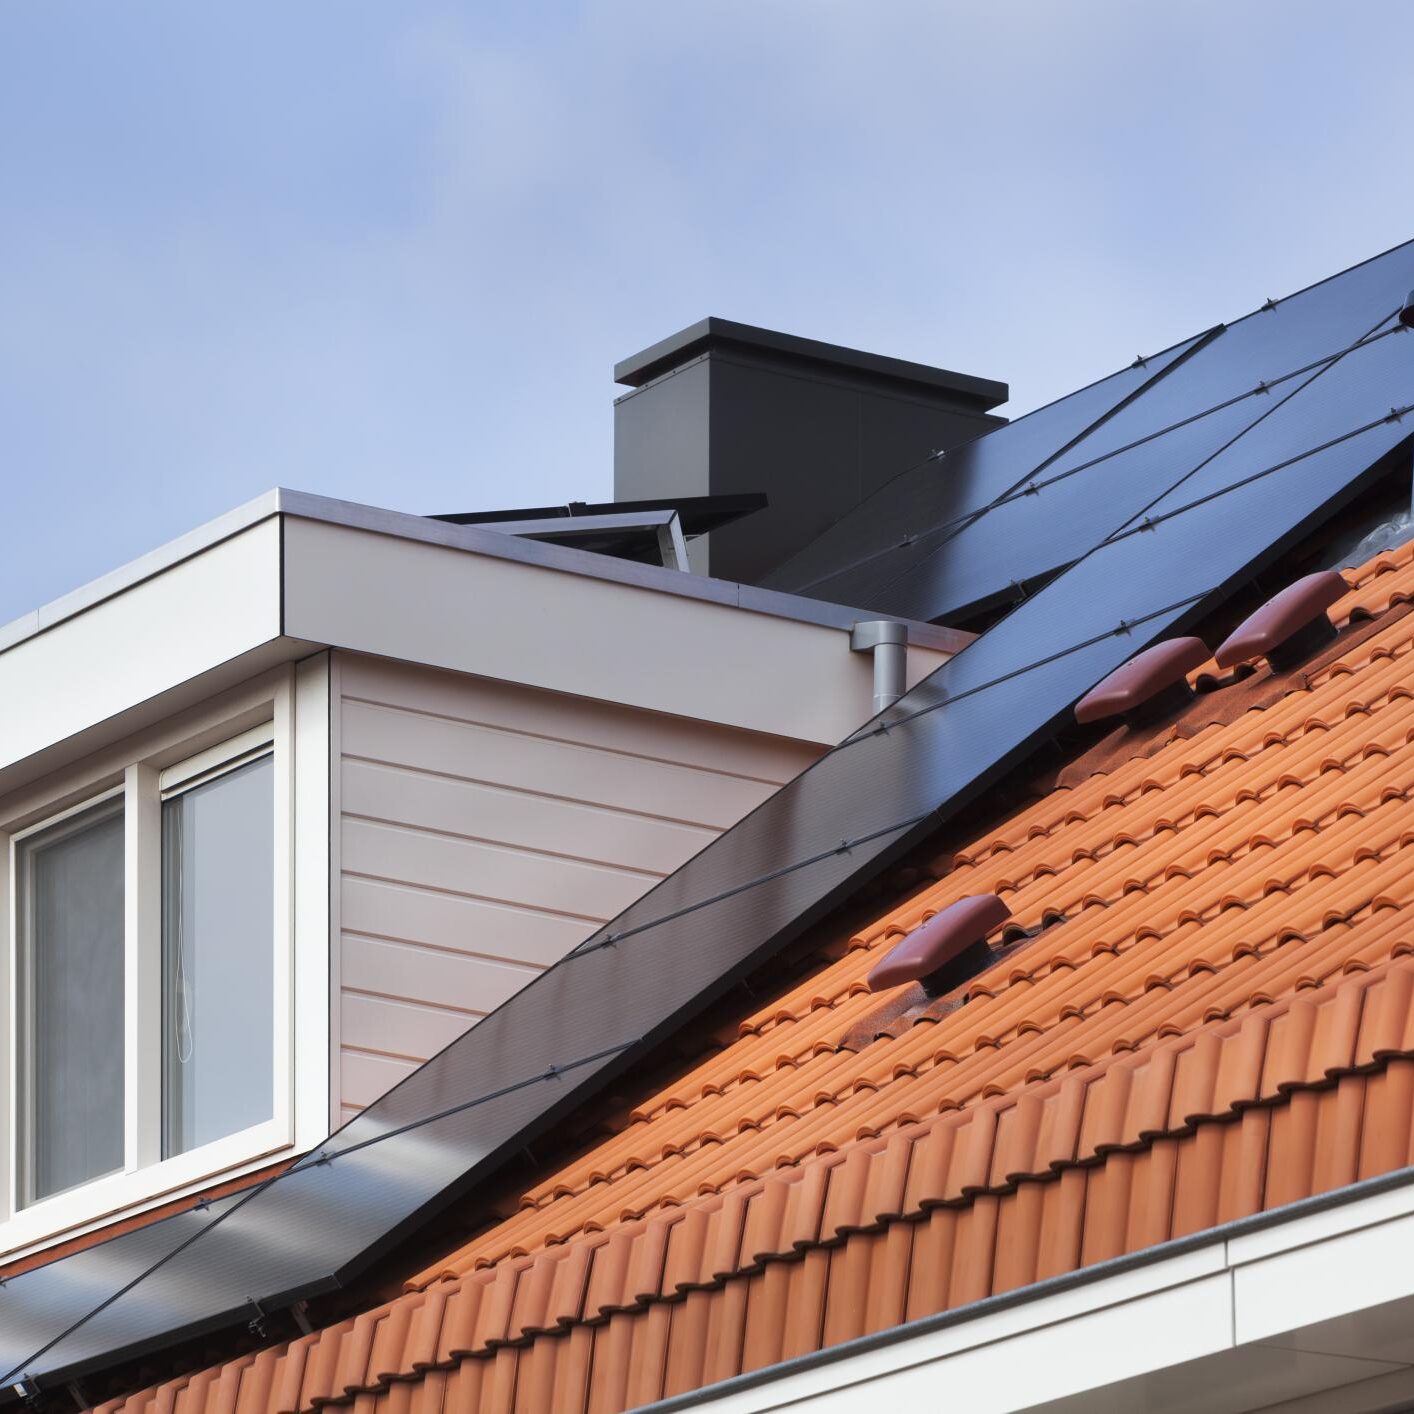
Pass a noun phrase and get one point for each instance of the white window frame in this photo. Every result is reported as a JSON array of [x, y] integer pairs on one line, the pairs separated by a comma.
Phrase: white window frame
[[286, 714]]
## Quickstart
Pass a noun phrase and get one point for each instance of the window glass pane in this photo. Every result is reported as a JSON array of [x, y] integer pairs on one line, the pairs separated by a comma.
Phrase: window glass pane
[[218, 861], [70, 910]]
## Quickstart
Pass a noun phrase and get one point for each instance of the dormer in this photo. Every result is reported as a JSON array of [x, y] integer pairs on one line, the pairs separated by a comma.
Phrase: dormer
[[291, 803]]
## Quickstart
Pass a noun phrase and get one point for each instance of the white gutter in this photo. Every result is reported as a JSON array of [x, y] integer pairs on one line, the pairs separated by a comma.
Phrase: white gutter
[[1308, 1308]]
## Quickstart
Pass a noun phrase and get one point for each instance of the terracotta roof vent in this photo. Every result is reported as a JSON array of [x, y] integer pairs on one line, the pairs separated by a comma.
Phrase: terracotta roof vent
[[1406, 315], [945, 950], [1151, 685], [1289, 627]]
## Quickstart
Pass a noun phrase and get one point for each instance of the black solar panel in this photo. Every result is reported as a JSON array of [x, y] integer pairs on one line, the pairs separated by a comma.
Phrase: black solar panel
[[851, 560], [946, 740], [948, 574]]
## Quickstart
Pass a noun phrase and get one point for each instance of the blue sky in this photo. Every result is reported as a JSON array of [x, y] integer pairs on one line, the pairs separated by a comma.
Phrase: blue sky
[[391, 251]]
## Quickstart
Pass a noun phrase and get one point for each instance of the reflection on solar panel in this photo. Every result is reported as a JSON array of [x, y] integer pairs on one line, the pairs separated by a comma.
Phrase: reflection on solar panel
[[872, 544], [1242, 371], [1178, 525]]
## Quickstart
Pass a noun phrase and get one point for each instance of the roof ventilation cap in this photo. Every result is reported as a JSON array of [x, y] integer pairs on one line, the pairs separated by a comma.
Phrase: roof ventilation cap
[[1151, 685], [1289, 627], [946, 950], [1406, 315]]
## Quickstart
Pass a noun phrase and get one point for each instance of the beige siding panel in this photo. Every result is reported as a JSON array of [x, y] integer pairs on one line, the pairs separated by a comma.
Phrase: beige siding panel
[[486, 828], [364, 1078], [602, 724], [550, 766], [402, 1030], [535, 822], [488, 871], [455, 980], [402, 913]]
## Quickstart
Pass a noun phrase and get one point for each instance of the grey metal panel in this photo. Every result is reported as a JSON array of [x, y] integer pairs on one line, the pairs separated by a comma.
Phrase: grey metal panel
[[724, 413], [807, 847], [678, 348], [661, 437]]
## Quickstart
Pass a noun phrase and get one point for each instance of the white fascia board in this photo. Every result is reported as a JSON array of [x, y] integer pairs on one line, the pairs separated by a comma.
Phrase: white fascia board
[[476, 539], [607, 638], [111, 655], [1314, 1311], [208, 609]]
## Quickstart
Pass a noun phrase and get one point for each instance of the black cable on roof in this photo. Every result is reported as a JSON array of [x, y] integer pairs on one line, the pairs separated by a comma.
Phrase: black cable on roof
[[1027, 487], [1263, 386], [312, 1160]]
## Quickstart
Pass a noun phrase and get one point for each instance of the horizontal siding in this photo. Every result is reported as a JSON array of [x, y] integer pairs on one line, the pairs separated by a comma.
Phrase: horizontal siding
[[553, 768], [486, 829], [405, 913], [570, 719], [542, 824], [482, 869]]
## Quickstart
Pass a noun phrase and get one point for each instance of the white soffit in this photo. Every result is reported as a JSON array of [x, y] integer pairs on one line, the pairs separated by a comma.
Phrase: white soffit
[[1313, 1314]]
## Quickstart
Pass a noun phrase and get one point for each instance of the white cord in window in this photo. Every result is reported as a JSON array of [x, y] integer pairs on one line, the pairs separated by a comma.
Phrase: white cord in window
[[181, 1000]]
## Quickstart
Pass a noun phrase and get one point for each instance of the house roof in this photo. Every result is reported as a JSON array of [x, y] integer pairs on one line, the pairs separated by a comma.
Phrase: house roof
[[1202, 1008]]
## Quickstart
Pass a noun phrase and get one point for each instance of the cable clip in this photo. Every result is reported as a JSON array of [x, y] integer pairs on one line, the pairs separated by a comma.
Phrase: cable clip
[[259, 1324]]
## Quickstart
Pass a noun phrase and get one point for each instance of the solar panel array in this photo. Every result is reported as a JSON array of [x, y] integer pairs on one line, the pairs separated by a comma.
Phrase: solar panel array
[[948, 574], [1145, 541]]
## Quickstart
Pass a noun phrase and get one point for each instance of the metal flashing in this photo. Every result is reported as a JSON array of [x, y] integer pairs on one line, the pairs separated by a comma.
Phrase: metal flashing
[[667, 354]]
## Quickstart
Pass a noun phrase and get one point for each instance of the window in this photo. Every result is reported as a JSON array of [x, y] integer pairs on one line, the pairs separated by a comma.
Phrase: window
[[218, 911], [70, 1052], [161, 1028]]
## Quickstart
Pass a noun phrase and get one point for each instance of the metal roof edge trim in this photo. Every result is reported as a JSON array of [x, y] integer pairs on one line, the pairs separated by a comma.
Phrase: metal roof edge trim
[[1022, 1295], [677, 348], [494, 544]]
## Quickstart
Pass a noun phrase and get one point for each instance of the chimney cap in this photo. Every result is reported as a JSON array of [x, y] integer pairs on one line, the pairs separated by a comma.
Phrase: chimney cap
[[1143, 677], [1281, 618], [712, 333], [935, 943]]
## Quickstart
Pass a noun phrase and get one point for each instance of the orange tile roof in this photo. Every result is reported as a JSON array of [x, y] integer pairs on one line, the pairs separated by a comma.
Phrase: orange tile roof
[[1214, 1016]]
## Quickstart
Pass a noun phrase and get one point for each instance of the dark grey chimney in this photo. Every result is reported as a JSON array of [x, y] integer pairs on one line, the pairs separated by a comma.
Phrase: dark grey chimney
[[722, 408]]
